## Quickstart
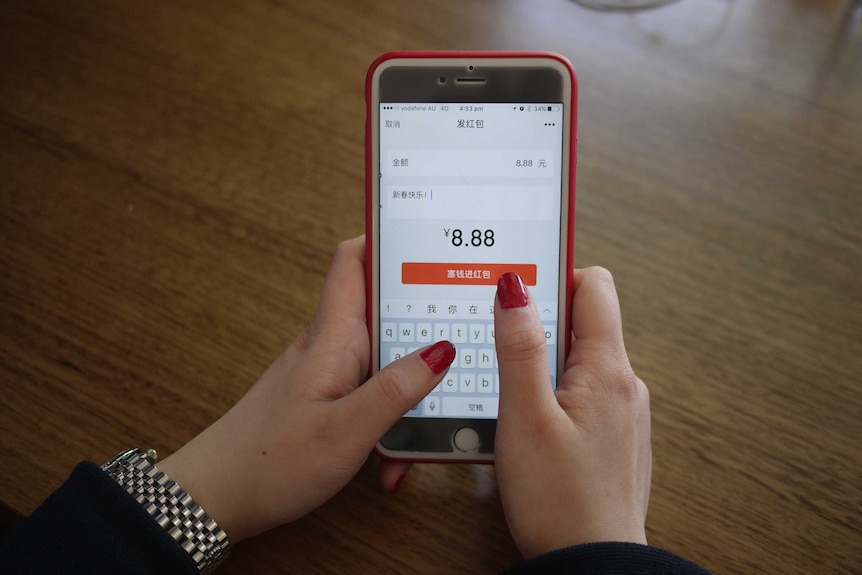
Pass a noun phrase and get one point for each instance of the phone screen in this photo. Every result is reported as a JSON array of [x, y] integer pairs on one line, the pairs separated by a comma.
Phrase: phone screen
[[468, 191]]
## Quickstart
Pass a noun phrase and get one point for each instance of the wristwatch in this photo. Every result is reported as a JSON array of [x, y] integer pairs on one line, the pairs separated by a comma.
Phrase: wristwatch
[[172, 508]]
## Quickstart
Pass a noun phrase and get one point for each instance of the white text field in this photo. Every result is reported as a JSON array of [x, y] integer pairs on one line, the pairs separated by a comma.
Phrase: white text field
[[469, 203], [470, 163]]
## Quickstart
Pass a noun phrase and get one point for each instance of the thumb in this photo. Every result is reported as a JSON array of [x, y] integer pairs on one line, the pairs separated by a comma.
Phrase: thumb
[[398, 387], [522, 356]]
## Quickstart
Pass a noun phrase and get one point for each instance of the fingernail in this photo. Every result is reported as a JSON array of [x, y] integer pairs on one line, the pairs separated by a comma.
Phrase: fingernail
[[439, 356], [511, 291], [398, 483]]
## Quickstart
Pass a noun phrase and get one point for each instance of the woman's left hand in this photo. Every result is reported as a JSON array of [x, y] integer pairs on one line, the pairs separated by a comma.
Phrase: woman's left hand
[[306, 427]]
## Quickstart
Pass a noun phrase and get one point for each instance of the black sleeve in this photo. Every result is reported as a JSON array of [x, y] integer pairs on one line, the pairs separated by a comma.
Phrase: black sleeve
[[91, 525], [607, 559]]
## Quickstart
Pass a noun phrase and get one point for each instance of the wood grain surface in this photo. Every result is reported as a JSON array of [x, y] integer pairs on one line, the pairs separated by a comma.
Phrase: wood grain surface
[[174, 177]]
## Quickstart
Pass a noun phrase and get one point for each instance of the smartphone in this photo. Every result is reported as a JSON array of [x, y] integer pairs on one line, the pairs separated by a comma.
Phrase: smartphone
[[470, 173]]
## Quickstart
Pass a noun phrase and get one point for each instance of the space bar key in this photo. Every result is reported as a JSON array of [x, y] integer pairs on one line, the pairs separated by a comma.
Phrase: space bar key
[[470, 406]]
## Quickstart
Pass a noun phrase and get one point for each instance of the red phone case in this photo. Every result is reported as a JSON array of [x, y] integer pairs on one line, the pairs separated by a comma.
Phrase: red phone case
[[371, 171]]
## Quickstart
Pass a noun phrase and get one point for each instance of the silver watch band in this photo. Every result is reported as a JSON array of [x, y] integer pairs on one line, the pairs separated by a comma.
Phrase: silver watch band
[[172, 508]]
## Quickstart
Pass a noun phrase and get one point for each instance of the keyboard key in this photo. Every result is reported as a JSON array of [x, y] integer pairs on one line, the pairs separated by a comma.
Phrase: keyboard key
[[550, 334], [468, 358], [468, 382], [485, 358], [406, 332], [424, 331], [450, 383], [441, 331], [490, 333], [431, 405], [459, 333], [396, 353], [470, 406], [485, 382], [477, 333], [388, 332]]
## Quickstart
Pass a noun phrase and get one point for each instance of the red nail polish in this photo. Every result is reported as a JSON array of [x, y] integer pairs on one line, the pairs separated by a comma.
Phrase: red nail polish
[[511, 291], [439, 356]]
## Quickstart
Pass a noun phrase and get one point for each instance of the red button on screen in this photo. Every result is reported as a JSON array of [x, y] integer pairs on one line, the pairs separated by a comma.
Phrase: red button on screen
[[427, 273]]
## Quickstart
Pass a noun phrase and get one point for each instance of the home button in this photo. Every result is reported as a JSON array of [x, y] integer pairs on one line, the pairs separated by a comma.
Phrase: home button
[[466, 439]]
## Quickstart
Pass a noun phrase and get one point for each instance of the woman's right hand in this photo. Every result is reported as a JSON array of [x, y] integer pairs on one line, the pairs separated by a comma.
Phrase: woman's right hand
[[573, 465]]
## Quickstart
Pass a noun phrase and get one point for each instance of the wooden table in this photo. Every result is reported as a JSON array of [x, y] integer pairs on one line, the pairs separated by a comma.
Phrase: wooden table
[[175, 176]]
